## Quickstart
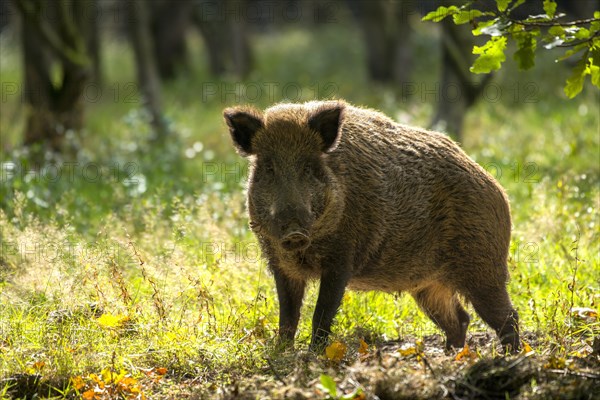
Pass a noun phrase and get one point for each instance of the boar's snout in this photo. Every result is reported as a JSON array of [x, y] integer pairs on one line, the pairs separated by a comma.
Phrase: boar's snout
[[295, 239], [292, 227]]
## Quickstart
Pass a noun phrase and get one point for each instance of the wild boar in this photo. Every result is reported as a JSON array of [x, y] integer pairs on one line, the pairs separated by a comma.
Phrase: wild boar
[[346, 195]]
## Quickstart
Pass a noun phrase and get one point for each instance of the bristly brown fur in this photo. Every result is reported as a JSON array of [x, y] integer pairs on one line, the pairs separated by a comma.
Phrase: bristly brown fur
[[346, 195]]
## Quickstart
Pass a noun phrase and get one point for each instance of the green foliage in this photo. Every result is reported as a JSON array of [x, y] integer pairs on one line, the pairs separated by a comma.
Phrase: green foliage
[[491, 55], [549, 8], [466, 16], [441, 13], [526, 43], [329, 386], [550, 28], [502, 4], [575, 82]]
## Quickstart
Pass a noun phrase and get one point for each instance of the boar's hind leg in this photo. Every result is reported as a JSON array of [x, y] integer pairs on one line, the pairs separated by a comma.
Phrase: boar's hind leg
[[441, 304], [290, 293], [494, 307]]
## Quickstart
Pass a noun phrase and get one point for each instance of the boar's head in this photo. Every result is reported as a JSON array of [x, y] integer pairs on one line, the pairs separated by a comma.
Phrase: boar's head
[[290, 185]]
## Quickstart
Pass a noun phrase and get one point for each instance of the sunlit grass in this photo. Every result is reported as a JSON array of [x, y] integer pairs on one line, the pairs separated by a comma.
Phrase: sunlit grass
[[158, 242]]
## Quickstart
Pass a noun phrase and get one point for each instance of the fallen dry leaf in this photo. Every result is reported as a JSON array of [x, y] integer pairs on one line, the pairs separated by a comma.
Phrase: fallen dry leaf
[[363, 347], [526, 348], [78, 382], [465, 353], [38, 365], [408, 351], [336, 351]]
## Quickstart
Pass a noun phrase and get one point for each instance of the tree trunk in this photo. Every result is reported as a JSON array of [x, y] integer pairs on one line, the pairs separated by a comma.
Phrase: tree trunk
[[41, 124], [53, 108], [147, 70], [372, 17], [225, 35], [401, 43], [5, 15], [240, 46], [169, 23], [214, 33], [386, 30], [459, 89], [94, 41]]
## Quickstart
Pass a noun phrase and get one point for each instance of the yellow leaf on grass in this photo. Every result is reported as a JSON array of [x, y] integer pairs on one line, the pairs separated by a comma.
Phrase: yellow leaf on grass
[[108, 376], [88, 395], [38, 365], [407, 350], [129, 384], [526, 348], [556, 363], [77, 382], [336, 351], [363, 347], [465, 353], [112, 321]]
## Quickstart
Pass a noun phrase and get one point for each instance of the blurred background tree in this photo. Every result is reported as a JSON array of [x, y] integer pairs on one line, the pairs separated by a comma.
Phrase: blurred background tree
[[227, 37], [148, 52], [55, 34], [62, 41], [386, 30]]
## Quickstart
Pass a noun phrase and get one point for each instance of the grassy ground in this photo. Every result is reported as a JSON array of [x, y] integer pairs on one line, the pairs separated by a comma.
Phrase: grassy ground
[[130, 271]]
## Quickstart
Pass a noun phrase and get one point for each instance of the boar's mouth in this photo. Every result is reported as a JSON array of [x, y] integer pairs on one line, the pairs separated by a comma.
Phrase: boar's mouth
[[295, 240]]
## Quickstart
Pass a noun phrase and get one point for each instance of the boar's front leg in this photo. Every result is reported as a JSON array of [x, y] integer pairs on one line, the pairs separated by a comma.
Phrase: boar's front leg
[[290, 293], [331, 290]]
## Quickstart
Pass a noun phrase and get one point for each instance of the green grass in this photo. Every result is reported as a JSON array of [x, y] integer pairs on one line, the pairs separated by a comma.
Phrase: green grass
[[157, 239]]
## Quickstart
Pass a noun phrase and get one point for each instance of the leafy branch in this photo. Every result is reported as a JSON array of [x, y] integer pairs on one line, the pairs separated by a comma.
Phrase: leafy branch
[[579, 36]]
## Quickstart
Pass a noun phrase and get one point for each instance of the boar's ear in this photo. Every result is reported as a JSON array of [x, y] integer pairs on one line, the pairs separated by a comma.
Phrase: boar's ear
[[243, 122], [327, 121]]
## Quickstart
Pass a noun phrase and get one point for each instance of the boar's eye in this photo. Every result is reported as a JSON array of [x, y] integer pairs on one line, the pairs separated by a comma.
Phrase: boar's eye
[[307, 170], [264, 172], [268, 168]]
